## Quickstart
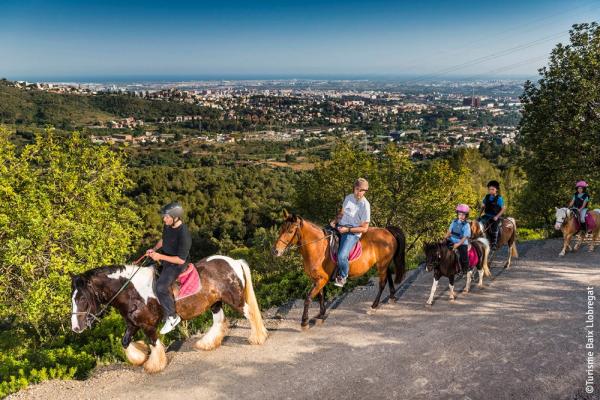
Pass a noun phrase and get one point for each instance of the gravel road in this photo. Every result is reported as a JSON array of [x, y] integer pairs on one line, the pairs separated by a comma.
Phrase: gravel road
[[521, 337]]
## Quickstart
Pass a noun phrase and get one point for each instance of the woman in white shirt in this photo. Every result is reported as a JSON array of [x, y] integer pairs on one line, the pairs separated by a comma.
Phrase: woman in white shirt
[[351, 222]]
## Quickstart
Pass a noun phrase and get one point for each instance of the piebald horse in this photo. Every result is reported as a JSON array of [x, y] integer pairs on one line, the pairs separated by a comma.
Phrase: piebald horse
[[566, 221], [130, 290], [379, 248], [507, 236], [444, 262]]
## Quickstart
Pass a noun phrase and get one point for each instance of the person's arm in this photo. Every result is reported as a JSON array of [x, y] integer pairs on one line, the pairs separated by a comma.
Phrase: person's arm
[[337, 218], [156, 247], [357, 229], [448, 234], [171, 259], [500, 213], [571, 202]]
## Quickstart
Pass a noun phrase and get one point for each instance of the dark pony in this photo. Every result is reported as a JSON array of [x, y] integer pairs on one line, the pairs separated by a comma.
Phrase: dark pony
[[444, 261]]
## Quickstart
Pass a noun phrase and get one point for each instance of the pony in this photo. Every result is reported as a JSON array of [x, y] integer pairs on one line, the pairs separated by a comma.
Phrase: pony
[[444, 262], [566, 221], [379, 248], [508, 236], [130, 290]]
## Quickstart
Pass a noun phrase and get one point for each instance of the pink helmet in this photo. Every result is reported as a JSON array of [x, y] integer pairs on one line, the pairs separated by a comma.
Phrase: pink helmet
[[581, 184], [463, 208]]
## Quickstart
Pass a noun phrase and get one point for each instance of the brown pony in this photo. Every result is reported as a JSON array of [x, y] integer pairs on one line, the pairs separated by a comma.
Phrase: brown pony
[[508, 236], [130, 290], [566, 221], [379, 248]]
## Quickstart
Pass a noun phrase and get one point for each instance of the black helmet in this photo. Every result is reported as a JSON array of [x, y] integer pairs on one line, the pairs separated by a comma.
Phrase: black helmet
[[174, 209], [495, 184]]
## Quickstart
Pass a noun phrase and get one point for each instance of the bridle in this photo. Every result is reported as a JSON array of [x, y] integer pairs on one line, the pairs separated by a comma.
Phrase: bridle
[[437, 261], [91, 317], [289, 245]]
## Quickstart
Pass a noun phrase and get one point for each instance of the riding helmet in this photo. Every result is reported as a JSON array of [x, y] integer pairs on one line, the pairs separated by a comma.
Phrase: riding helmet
[[495, 184], [582, 184], [463, 208], [174, 209]]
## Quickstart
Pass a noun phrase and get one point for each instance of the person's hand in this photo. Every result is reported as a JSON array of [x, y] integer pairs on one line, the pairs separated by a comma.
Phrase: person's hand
[[340, 229], [149, 251], [496, 218], [455, 246], [155, 256]]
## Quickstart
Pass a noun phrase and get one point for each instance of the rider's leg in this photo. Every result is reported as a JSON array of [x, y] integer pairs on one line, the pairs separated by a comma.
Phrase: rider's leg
[[346, 245], [494, 228], [463, 256], [168, 275], [582, 215]]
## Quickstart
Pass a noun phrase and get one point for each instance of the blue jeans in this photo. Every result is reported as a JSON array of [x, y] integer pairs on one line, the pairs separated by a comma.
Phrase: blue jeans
[[347, 243]]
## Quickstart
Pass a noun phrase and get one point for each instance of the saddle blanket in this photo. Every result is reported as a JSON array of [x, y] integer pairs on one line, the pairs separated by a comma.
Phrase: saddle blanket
[[589, 221], [189, 282]]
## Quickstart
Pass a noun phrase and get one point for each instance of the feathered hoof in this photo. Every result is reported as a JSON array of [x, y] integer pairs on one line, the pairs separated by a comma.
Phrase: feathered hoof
[[258, 338], [212, 339], [137, 352], [157, 360], [480, 287], [304, 326]]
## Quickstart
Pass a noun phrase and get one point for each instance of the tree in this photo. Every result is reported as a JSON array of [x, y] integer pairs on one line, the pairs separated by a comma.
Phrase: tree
[[560, 129], [63, 212]]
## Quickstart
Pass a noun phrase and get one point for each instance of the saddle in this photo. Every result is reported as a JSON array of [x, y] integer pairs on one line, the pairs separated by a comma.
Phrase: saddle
[[187, 283], [334, 245], [475, 254], [589, 220]]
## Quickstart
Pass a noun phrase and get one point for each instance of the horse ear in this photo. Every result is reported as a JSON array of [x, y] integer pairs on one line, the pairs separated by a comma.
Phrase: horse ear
[[78, 281], [285, 214]]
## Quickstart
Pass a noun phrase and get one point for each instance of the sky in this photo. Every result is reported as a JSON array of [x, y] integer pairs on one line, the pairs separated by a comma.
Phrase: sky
[[283, 38]]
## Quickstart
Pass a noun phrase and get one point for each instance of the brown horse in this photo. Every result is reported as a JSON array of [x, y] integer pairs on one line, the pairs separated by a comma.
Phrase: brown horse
[[379, 248], [130, 289], [507, 236], [566, 221]]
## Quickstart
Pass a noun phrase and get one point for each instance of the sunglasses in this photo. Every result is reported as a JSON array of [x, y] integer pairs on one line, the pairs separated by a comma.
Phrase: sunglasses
[[363, 190]]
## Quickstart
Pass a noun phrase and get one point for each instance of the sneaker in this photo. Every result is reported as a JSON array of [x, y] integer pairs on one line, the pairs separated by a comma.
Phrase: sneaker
[[171, 323], [340, 281]]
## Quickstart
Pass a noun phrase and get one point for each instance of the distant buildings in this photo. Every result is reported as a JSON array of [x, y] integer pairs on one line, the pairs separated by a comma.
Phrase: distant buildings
[[472, 102]]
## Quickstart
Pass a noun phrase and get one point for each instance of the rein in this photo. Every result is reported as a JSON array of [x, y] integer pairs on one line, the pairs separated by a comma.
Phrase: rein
[[290, 245], [96, 316]]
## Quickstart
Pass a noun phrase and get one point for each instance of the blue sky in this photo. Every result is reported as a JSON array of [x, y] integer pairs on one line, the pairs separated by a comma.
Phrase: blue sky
[[68, 39]]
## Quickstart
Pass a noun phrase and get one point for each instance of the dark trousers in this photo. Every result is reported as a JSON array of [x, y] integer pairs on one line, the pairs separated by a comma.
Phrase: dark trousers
[[169, 274], [463, 257], [493, 228]]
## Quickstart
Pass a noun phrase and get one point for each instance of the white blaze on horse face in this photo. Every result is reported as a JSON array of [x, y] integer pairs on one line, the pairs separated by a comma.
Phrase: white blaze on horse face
[[235, 265], [143, 280], [74, 315]]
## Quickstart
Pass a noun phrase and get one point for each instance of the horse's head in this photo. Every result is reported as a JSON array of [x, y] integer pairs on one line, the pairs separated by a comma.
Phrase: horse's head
[[477, 228], [434, 252], [288, 234], [562, 214], [84, 303]]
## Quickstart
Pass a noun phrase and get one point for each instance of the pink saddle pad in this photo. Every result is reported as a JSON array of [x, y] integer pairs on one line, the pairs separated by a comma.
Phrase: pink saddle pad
[[589, 221], [473, 257], [354, 253], [189, 282]]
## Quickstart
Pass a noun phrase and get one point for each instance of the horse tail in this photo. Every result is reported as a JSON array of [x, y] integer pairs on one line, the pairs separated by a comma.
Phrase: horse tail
[[486, 252], [513, 242], [400, 254], [258, 332]]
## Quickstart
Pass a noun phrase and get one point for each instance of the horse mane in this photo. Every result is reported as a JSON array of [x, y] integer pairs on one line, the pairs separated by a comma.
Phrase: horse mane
[[106, 270]]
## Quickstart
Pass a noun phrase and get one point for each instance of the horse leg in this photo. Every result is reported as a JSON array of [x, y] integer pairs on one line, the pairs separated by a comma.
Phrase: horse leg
[[566, 241], [393, 297], [469, 277], [594, 239], [382, 282], [157, 361], [433, 288], [136, 352], [480, 284], [214, 336], [316, 289], [322, 308], [451, 286]]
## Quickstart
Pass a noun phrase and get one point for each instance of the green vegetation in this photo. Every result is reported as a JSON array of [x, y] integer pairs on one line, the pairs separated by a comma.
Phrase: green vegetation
[[560, 129]]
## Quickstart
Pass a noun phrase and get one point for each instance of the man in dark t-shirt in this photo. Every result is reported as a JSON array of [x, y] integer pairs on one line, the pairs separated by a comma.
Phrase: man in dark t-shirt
[[175, 251]]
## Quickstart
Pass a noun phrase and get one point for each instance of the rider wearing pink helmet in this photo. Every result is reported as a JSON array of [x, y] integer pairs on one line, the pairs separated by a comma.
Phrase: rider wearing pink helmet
[[579, 203], [459, 233]]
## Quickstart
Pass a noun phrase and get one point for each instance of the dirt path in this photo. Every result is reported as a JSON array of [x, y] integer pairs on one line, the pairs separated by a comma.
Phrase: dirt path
[[522, 337]]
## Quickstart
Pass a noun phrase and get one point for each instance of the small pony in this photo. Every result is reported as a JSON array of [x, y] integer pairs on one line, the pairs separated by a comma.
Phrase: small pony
[[443, 262], [566, 221]]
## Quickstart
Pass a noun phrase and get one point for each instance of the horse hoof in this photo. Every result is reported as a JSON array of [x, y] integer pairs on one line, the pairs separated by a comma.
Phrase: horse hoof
[[319, 321], [393, 300], [480, 287], [371, 311], [452, 299], [428, 305], [561, 254], [304, 326]]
